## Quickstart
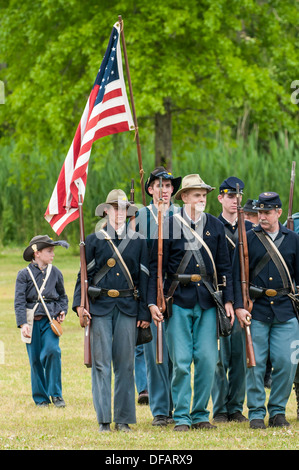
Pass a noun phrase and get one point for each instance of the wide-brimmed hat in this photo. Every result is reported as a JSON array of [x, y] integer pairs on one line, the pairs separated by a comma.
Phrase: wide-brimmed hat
[[161, 172], [39, 242], [268, 201], [193, 181], [116, 197]]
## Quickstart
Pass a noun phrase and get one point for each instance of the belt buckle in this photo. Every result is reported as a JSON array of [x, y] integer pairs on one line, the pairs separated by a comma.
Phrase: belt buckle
[[271, 292], [195, 277], [113, 293]]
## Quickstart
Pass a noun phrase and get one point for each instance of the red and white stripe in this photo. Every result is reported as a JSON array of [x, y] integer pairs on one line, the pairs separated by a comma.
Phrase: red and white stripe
[[112, 115]]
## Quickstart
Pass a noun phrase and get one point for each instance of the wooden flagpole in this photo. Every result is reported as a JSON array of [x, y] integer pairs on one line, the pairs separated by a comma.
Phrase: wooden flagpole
[[133, 109], [84, 321]]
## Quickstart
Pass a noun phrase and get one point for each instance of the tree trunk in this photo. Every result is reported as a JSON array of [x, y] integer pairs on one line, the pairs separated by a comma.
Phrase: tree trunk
[[163, 137]]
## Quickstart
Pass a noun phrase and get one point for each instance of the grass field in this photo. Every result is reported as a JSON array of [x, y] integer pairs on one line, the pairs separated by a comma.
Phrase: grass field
[[24, 426]]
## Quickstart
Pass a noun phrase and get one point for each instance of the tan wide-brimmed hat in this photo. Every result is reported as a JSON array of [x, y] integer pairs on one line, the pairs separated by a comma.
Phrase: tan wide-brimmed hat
[[116, 197], [193, 181]]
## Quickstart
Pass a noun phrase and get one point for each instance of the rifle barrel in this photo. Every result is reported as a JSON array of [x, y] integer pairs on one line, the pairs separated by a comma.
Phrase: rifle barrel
[[84, 284], [160, 294], [244, 272]]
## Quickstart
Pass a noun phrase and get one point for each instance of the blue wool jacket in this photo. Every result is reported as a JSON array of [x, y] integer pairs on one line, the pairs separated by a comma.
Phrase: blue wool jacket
[[26, 295], [174, 248], [98, 251], [232, 232], [266, 308]]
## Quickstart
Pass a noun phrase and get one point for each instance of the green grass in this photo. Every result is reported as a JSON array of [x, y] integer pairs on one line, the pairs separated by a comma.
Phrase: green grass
[[24, 426]]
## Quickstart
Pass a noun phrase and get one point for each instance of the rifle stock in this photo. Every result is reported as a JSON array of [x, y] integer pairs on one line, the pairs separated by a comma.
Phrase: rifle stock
[[290, 220], [84, 288], [244, 271], [160, 293]]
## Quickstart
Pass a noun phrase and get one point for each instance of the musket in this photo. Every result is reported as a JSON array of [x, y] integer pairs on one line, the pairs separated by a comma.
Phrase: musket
[[244, 272], [84, 321], [290, 220], [160, 293]]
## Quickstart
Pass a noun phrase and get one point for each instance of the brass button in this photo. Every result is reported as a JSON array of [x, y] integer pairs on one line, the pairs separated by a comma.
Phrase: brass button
[[271, 302], [111, 262], [270, 278]]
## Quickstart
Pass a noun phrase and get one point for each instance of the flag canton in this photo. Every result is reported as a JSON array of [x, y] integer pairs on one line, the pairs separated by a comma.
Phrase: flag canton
[[108, 71]]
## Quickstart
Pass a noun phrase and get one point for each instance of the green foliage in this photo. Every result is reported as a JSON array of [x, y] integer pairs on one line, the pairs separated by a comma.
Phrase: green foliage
[[226, 66]]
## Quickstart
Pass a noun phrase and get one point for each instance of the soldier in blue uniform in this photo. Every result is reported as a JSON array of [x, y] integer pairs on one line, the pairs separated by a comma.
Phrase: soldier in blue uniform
[[158, 375], [117, 268], [274, 326], [191, 329], [228, 393], [250, 212], [295, 217], [42, 344]]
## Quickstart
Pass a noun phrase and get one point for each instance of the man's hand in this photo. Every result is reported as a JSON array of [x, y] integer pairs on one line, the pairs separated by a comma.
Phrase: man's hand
[[84, 316], [26, 330], [61, 317], [157, 316], [243, 316], [143, 324], [230, 312]]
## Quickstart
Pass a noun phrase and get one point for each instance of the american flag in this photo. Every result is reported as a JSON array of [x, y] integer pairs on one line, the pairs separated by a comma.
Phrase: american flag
[[107, 111]]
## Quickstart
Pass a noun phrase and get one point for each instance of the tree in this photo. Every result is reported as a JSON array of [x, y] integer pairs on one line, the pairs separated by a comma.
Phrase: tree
[[203, 71]]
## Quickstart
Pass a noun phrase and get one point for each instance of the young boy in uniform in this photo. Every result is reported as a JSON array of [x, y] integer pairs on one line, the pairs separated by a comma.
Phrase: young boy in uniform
[[41, 342]]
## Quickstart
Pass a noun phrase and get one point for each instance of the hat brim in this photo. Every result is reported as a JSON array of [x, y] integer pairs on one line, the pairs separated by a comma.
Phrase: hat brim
[[174, 181], [101, 209], [261, 209], [28, 252], [201, 186]]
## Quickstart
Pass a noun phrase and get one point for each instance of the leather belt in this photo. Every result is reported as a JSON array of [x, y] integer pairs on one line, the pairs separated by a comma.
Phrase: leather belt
[[38, 317], [185, 278], [95, 292], [117, 293], [276, 292]]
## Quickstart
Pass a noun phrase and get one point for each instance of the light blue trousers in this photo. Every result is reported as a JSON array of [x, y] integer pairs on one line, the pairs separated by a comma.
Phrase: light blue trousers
[[280, 339], [112, 341], [191, 336], [140, 369]]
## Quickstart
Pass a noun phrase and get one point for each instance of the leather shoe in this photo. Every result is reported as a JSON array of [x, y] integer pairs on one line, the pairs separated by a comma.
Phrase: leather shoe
[[257, 424], [278, 421], [181, 428], [238, 417], [143, 398], [42, 404], [160, 420], [122, 427], [203, 425], [221, 418], [104, 427], [58, 402]]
